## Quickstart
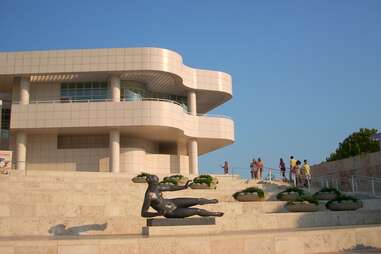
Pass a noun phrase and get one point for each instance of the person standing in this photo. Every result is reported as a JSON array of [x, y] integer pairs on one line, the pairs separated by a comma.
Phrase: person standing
[[282, 167], [226, 167], [292, 168], [252, 168], [259, 168], [297, 174], [307, 173]]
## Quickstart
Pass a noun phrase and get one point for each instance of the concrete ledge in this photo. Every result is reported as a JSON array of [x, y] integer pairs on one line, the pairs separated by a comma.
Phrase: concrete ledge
[[181, 222], [181, 230]]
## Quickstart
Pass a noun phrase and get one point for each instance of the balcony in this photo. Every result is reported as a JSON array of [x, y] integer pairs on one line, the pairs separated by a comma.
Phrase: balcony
[[125, 115]]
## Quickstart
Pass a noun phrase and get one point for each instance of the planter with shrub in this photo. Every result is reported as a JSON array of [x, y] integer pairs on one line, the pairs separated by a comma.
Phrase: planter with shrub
[[175, 180], [249, 194], [141, 178], [290, 194], [303, 204], [327, 194], [204, 182], [344, 203]]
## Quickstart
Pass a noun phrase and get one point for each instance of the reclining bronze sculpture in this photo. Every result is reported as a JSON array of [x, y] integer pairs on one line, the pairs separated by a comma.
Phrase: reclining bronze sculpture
[[172, 208]]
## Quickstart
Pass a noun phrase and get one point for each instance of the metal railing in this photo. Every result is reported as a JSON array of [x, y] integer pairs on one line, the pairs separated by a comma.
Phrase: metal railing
[[367, 185], [268, 174], [124, 100]]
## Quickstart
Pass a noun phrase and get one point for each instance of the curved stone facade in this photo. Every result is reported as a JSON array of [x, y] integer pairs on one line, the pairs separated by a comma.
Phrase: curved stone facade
[[79, 99]]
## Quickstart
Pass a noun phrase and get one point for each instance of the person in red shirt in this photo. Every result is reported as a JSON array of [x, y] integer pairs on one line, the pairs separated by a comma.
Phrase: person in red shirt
[[259, 168]]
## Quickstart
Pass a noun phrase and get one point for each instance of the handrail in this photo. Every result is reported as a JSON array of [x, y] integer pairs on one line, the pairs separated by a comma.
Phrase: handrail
[[336, 175], [124, 100], [354, 183]]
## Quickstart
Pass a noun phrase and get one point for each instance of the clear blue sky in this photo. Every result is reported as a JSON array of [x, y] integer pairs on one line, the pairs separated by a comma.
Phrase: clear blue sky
[[306, 73]]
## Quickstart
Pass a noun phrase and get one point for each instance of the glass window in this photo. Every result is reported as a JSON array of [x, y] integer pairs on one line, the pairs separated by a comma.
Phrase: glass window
[[131, 90], [84, 91]]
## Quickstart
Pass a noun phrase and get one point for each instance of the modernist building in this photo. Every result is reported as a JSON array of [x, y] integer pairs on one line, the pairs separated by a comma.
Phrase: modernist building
[[119, 110]]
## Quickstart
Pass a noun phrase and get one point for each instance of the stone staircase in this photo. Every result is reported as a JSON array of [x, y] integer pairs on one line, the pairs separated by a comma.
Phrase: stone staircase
[[34, 204]]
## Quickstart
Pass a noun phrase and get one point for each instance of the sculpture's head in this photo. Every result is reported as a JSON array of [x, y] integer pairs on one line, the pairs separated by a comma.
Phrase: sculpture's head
[[152, 179]]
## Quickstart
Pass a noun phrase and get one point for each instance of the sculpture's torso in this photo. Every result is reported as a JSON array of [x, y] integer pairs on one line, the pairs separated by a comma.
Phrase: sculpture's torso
[[161, 205]]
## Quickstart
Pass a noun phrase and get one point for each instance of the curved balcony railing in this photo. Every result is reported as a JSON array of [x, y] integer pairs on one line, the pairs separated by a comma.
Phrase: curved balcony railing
[[125, 100]]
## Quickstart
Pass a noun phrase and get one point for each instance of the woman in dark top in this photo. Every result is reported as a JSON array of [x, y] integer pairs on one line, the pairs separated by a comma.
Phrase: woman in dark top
[[282, 167]]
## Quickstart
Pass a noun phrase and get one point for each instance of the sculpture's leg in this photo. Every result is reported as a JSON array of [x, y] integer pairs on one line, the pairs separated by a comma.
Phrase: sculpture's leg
[[187, 212], [188, 202]]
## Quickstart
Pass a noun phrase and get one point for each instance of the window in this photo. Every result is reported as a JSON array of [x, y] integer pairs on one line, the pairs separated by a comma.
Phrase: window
[[5, 118], [84, 91], [132, 91]]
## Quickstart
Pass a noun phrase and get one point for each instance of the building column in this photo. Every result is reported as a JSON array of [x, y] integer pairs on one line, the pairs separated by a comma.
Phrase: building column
[[193, 156], [181, 151], [21, 139], [24, 91], [192, 103], [114, 151], [115, 88]]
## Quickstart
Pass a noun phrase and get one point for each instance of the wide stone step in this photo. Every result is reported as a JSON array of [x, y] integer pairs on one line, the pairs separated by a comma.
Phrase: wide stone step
[[301, 220], [307, 240], [133, 223]]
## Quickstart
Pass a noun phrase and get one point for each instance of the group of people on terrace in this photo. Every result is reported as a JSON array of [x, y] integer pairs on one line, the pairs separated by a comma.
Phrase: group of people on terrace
[[299, 175], [256, 168]]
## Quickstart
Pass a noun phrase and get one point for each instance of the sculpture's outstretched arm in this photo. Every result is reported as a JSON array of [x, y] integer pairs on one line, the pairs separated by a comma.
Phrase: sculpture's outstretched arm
[[145, 207], [173, 188]]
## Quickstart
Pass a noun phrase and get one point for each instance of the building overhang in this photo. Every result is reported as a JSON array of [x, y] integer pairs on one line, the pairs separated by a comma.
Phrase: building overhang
[[161, 69]]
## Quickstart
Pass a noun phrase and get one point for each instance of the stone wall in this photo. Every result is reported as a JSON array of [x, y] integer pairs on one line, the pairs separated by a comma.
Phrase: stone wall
[[362, 165]]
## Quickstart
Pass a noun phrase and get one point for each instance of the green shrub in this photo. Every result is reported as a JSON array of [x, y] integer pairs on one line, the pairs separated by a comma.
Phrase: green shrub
[[341, 198], [328, 190], [206, 179], [143, 174], [304, 198], [288, 190], [168, 180], [259, 191], [175, 177]]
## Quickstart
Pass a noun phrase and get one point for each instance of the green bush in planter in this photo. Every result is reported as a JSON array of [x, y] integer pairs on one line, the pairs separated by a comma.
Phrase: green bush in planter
[[351, 202], [303, 204], [141, 178], [327, 190], [304, 199], [299, 191], [259, 192], [204, 179], [173, 180], [143, 174]]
